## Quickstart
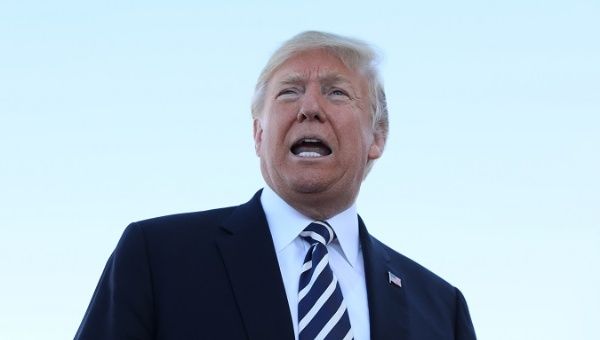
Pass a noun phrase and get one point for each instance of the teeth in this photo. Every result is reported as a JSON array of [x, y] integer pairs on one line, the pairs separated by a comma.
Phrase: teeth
[[309, 154], [310, 140]]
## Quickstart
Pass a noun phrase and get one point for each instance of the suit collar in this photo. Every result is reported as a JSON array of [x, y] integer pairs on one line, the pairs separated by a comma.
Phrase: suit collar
[[388, 310], [249, 256]]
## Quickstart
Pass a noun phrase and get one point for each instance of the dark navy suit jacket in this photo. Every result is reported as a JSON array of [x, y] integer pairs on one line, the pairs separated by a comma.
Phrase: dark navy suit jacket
[[214, 275]]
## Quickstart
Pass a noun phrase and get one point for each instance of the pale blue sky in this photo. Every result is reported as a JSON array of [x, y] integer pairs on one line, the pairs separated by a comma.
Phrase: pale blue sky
[[116, 111]]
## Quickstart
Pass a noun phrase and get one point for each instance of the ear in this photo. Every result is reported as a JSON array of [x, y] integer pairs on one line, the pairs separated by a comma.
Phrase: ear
[[376, 148], [257, 131]]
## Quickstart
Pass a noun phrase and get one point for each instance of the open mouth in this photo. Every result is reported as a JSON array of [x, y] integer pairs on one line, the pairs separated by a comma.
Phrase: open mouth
[[310, 148]]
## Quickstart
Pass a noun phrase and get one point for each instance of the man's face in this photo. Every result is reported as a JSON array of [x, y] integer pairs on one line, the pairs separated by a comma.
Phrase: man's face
[[314, 135]]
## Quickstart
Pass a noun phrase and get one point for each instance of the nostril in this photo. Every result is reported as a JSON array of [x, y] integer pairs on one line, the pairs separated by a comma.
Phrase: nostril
[[313, 114]]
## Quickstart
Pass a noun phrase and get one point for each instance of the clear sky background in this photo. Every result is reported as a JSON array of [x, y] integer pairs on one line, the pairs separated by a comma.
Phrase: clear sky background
[[116, 111]]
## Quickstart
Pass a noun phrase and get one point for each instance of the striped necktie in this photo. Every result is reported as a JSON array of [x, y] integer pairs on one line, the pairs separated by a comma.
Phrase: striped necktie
[[322, 313]]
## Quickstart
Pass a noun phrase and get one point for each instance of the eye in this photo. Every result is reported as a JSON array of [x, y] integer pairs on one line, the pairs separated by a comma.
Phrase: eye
[[288, 92], [338, 93]]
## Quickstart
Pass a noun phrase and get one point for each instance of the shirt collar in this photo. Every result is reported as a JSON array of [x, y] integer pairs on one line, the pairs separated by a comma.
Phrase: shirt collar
[[286, 223]]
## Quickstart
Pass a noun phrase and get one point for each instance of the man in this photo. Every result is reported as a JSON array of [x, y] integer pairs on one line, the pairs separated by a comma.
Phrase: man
[[296, 261]]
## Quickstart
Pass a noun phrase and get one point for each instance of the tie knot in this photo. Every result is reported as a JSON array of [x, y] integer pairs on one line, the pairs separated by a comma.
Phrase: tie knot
[[318, 231]]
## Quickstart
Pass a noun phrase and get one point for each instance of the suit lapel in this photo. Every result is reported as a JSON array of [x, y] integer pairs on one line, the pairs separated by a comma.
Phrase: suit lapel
[[388, 312], [249, 256]]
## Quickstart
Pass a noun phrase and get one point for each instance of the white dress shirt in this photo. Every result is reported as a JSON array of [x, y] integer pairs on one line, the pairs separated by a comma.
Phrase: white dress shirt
[[345, 257]]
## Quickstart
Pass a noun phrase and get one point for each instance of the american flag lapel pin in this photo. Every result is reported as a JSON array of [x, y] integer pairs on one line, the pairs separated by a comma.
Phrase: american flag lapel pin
[[394, 279]]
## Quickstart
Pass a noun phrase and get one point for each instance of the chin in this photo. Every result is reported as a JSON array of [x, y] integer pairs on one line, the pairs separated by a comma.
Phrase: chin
[[309, 185]]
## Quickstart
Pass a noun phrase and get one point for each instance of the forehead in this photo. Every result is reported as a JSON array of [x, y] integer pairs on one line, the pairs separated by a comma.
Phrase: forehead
[[316, 65]]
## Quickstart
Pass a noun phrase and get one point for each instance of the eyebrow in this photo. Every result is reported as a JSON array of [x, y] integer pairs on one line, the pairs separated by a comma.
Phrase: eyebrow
[[332, 78], [292, 79], [325, 80]]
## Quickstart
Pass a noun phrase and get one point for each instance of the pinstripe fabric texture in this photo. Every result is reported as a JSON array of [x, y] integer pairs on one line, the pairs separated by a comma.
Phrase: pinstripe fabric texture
[[322, 313]]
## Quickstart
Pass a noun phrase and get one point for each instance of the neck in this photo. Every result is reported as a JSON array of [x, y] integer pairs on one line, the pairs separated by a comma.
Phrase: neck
[[317, 206]]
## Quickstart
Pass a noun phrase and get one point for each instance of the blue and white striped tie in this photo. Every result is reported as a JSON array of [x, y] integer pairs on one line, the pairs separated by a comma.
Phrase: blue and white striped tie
[[322, 313]]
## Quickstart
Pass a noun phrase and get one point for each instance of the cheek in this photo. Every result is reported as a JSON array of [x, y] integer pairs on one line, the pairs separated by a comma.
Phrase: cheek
[[282, 117], [274, 132], [355, 129]]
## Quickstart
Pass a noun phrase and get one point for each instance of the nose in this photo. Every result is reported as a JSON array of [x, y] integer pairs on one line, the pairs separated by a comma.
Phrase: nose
[[310, 108]]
